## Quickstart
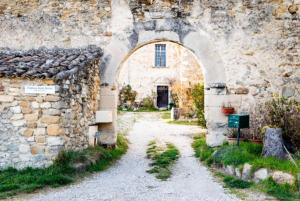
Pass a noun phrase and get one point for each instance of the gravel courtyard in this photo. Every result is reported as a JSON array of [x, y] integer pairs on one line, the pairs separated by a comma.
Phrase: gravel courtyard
[[127, 180]]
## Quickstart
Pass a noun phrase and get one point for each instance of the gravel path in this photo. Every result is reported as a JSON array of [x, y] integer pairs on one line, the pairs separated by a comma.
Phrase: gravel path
[[128, 181]]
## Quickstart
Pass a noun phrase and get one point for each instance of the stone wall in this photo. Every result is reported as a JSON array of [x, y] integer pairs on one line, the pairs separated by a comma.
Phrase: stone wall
[[70, 23], [249, 50], [35, 127]]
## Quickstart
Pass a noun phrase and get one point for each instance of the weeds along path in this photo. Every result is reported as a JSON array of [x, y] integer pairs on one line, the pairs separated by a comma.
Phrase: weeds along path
[[128, 180]]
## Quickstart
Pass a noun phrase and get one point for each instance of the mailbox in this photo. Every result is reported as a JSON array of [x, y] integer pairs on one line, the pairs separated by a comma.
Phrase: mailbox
[[238, 121]]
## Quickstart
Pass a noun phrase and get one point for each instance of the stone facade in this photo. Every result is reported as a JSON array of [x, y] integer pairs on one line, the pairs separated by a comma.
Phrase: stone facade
[[248, 50], [140, 73], [72, 23], [34, 127]]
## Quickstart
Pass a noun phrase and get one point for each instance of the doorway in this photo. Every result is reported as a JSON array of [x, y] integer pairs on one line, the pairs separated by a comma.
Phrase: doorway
[[162, 96]]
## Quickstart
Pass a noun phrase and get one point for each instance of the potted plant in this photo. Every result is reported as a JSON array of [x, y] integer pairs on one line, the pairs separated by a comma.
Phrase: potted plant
[[227, 109]]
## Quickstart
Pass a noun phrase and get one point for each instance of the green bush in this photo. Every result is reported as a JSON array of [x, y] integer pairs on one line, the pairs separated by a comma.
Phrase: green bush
[[148, 103], [284, 113], [127, 97], [198, 98]]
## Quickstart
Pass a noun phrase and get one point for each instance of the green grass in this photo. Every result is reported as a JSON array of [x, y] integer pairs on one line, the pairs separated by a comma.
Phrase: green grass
[[251, 153], [184, 122], [248, 153], [233, 182], [163, 159], [61, 173], [166, 115], [281, 192], [140, 110], [202, 150], [236, 156]]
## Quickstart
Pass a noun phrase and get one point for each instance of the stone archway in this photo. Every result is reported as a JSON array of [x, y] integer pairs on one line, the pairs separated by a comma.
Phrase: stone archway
[[139, 34]]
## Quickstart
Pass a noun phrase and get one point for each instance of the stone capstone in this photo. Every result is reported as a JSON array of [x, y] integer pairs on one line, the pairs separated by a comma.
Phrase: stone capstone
[[246, 173], [260, 175], [229, 169], [283, 178]]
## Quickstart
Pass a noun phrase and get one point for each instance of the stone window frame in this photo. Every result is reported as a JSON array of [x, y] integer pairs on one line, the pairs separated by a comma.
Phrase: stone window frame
[[160, 60]]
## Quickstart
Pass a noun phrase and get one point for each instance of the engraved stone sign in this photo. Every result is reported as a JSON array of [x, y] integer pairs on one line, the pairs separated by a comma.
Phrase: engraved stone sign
[[39, 89]]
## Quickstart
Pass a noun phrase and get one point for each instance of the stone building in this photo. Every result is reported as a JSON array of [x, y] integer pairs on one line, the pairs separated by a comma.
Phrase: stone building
[[146, 75], [248, 50], [48, 100]]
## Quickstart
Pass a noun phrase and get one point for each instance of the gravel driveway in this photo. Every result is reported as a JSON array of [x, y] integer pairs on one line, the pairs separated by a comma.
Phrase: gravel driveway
[[127, 180]]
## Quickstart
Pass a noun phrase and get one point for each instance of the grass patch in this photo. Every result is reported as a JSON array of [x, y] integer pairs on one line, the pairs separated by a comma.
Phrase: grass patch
[[62, 172], [163, 158], [281, 192], [202, 150], [184, 122], [251, 153], [140, 110], [233, 182], [248, 153], [166, 115]]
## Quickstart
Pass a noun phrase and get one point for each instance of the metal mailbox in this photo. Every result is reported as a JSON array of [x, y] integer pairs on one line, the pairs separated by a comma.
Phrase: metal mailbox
[[238, 121]]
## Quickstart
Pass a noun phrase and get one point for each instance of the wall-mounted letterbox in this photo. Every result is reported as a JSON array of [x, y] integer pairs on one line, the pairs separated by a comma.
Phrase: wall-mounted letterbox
[[238, 121]]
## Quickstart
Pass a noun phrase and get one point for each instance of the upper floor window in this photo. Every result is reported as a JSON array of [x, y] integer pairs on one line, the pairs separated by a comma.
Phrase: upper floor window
[[160, 55]]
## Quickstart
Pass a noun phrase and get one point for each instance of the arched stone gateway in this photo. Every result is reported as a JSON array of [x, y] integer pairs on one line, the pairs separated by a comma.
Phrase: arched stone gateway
[[141, 33], [249, 50]]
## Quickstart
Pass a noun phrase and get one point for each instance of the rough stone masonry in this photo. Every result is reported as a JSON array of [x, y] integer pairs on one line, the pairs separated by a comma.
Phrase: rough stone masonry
[[249, 49], [34, 127]]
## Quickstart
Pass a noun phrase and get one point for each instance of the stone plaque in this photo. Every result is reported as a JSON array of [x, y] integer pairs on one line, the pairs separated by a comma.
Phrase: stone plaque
[[40, 89]]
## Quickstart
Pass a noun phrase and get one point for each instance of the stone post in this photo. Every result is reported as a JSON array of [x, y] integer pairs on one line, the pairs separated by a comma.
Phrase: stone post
[[215, 94], [273, 143], [108, 102]]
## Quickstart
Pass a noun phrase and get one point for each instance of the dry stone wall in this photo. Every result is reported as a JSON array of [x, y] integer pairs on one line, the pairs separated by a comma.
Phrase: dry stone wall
[[35, 127]]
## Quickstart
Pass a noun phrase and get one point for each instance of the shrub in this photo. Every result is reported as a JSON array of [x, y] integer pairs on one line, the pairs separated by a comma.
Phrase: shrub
[[198, 98], [127, 97], [148, 103], [285, 113]]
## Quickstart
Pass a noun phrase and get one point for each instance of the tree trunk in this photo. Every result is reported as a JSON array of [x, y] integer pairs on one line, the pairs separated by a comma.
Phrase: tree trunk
[[273, 143]]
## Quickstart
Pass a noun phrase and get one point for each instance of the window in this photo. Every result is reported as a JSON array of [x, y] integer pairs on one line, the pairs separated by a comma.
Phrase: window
[[160, 55]]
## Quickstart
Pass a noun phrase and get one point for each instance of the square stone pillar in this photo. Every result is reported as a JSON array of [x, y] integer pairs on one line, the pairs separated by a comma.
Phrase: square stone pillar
[[108, 102], [215, 96]]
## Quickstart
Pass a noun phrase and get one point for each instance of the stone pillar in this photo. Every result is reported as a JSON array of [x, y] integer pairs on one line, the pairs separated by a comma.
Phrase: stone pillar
[[273, 143], [215, 96], [108, 102]]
